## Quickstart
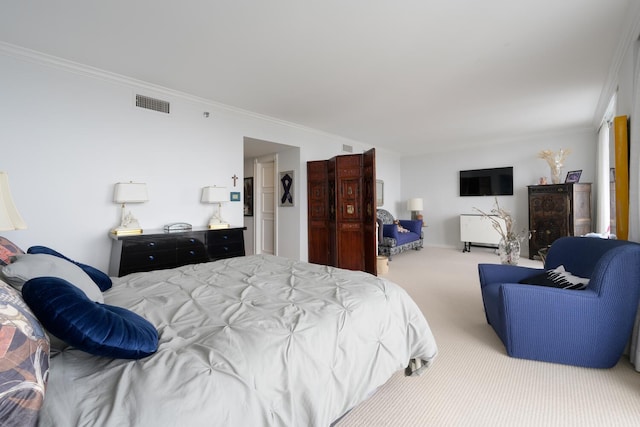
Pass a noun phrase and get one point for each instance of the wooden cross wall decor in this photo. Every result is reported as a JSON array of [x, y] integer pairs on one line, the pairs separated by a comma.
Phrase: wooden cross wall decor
[[234, 178]]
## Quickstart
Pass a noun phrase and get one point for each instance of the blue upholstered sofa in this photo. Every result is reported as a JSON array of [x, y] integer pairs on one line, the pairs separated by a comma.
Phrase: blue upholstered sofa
[[588, 327], [391, 241]]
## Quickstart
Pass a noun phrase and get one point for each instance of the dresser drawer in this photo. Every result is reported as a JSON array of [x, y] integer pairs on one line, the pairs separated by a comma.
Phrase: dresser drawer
[[226, 250], [191, 255], [220, 237], [148, 244], [190, 241], [147, 260]]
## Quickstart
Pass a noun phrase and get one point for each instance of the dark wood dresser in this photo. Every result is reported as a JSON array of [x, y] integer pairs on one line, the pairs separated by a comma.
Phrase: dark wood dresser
[[158, 250], [556, 211]]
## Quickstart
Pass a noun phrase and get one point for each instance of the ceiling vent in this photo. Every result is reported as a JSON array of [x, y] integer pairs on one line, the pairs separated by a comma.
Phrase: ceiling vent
[[347, 148], [152, 104]]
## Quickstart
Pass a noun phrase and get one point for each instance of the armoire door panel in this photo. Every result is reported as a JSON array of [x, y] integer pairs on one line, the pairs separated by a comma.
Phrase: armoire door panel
[[319, 251], [350, 200], [369, 217], [337, 191], [317, 207], [350, 246]]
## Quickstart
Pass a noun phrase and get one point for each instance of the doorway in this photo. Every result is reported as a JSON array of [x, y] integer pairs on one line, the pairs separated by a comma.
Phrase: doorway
[[264, 225]]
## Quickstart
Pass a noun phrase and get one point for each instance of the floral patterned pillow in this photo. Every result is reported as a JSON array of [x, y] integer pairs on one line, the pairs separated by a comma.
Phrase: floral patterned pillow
[[7, 250], [24, 360]]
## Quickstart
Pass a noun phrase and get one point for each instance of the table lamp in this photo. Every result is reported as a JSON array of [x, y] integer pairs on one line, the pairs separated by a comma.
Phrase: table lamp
[[217, 195], [415, 207], [129, 192], [10, 219]]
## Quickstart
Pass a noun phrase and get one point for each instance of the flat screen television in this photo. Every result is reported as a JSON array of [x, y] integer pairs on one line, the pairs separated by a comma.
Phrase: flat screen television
[[487, 182]]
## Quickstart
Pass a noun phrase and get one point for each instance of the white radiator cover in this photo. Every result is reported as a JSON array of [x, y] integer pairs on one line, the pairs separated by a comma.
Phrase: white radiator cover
[[478, 229]]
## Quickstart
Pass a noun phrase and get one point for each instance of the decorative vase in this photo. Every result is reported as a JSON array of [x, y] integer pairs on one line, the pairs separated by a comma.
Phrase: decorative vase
[[556, 171], [509, 251]]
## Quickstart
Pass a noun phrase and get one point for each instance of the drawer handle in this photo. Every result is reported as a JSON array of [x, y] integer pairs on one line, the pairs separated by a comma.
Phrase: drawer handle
[[192, 253], [151, 244], [225, 237], [226, 249], [152, 258], [192, 240]]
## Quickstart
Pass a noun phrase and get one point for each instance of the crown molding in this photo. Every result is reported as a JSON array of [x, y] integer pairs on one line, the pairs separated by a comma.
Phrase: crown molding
[[630, 34], [43, 59]]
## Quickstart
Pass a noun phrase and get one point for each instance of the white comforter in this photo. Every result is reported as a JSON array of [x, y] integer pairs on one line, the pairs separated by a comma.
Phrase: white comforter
[[249, 341]]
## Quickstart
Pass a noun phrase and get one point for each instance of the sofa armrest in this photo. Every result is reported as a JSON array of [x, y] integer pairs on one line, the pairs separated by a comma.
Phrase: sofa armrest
[[504, 273], [413, 225], [390, 230]]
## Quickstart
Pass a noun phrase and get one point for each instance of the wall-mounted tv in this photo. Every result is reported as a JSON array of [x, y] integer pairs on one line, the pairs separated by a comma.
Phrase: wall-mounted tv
[[487, 182]]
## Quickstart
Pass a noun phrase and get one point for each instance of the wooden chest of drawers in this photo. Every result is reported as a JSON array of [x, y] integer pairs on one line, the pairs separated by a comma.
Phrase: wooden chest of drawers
[[159, 250], [556, 211]]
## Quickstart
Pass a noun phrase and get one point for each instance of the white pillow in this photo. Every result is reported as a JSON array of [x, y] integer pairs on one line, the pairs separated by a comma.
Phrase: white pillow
[[28, 266]]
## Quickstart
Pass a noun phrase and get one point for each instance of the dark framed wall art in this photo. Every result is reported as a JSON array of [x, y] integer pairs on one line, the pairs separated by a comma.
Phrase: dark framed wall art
[[286, 189], [248, 196]]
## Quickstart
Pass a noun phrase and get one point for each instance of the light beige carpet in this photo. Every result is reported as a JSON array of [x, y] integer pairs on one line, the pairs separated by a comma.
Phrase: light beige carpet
[[472, 381]]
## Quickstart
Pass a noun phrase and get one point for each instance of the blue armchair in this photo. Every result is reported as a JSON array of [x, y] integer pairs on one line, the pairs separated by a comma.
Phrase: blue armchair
[[589, 327]]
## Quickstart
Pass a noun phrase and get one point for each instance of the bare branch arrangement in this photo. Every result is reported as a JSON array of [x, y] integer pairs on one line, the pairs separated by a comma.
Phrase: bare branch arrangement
[[507, 233]]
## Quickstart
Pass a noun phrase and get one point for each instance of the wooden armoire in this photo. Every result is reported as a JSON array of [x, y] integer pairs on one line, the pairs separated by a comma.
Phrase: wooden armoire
[[556, 211], [341, 201]]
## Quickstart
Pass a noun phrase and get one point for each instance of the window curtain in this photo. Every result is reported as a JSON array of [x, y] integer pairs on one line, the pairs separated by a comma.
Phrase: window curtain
[[603, 201]]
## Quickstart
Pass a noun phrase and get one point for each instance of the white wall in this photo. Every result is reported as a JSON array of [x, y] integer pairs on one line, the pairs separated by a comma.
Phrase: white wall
[[289, 230], [624, 97], [434, 177], [388, 172], [68, 133]]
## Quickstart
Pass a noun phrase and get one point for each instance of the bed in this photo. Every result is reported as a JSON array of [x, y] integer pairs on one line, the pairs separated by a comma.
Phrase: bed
[[248, 341]]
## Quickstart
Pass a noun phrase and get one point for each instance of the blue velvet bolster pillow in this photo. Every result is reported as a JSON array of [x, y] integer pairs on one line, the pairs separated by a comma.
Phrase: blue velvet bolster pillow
[[100, 329], [101, 279]]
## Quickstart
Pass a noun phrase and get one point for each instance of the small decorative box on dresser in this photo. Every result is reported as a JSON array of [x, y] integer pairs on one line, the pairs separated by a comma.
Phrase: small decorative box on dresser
[[158, 250], [557, 210]]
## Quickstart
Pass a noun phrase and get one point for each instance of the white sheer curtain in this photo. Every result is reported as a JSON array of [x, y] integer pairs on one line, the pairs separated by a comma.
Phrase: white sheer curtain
[[603, 208]]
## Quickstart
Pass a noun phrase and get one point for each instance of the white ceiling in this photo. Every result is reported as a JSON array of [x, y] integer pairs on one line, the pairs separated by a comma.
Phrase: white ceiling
[[411, 75]]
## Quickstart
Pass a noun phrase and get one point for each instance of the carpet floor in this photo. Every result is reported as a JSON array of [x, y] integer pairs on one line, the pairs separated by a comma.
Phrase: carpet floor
[[473, 382]]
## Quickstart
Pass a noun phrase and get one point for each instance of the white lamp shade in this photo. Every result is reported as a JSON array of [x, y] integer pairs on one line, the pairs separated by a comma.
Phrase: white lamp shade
[[214, 195], [414, 204], [10, 219], [130, 192]]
